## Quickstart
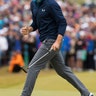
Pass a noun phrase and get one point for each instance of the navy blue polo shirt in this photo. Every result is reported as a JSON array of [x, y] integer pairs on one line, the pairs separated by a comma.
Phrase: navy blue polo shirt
[[48, 19]]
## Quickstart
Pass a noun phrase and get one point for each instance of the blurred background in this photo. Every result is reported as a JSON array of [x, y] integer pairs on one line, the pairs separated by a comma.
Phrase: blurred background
[[79, 43], [78, 47]]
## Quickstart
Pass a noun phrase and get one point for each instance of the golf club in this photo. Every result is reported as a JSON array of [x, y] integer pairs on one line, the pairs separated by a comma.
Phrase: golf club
[[25, 69]]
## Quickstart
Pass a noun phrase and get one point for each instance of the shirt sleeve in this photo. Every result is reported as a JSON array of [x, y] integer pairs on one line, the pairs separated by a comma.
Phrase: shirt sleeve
[[57, 15], [34, 25]]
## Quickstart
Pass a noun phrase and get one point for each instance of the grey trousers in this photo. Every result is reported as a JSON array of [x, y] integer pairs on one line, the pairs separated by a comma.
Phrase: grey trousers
[[57, 61]]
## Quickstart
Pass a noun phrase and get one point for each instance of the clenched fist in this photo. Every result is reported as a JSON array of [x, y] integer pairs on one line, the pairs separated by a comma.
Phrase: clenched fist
[[26, 30]]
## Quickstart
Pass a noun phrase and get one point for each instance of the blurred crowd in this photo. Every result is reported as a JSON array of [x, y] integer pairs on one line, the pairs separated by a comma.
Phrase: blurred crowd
[[79, 43], [13, 15]]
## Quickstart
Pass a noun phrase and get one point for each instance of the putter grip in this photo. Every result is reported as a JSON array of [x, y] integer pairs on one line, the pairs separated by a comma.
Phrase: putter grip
[[25, 70]]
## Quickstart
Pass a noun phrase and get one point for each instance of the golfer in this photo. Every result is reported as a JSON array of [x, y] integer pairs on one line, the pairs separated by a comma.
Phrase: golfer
[[51, 24]]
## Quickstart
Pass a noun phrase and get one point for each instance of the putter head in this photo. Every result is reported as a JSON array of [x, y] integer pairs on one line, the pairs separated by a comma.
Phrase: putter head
[[24, 68]]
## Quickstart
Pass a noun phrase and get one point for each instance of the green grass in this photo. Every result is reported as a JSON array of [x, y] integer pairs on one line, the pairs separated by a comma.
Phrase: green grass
[[48, 83], [76, 1]]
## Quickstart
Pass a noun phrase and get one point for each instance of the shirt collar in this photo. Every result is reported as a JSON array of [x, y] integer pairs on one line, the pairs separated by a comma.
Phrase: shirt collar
[[38, 2]]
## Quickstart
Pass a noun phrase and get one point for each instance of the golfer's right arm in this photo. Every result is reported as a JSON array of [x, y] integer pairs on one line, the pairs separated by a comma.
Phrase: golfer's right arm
[[27, 29]]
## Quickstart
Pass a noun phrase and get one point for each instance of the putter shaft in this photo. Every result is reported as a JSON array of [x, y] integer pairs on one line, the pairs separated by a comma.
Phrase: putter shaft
[[26, 69]]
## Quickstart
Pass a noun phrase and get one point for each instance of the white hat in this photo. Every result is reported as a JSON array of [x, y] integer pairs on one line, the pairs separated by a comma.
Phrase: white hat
[[69, 28], [82, 33]]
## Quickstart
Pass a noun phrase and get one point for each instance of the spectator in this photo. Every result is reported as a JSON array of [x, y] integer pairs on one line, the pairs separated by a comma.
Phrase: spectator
[[90, 50], [94, 51], [1, 22], [80, 51], [11, 43], [17, 45], [3, 49], [72, 52], [16, 62], [29, 48]]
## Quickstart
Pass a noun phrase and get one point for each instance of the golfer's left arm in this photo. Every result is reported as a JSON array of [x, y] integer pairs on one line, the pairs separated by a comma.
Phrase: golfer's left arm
[[57, 15]]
